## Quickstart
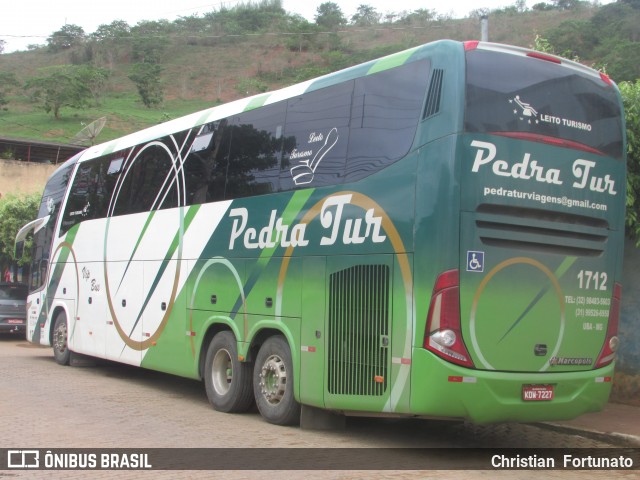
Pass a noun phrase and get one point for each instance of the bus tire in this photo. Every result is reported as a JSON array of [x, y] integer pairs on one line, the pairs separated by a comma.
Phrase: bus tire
[[60, 341], [273, 383], [227, 379]]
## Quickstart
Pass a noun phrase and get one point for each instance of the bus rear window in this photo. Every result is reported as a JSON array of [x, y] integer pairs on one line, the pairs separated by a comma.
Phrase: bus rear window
[[507, 93]]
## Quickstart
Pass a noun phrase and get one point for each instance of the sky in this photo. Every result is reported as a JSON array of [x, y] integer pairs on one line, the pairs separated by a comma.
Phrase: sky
[[29, 22]]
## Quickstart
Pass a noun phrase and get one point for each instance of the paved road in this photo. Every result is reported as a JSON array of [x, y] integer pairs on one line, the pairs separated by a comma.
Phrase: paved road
[[44, 405]]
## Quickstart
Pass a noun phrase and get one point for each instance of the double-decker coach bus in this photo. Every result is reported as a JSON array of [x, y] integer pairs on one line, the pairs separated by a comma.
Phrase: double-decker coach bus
[[435, 233]]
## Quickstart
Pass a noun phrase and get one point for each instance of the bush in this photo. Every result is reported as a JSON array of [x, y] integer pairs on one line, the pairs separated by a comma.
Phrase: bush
[[631, 99], [15, 212]]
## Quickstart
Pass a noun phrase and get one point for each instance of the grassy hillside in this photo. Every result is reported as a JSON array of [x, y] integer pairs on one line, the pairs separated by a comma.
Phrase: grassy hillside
[[202, 70]]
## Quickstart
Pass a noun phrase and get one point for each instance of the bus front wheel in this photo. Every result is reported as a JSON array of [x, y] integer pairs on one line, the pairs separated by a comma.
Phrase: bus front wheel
[[60, 340], [227, 379], [273, 383]]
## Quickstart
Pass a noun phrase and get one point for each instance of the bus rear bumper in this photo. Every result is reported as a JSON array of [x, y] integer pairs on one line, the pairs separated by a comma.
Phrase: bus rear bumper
[[439, 388]]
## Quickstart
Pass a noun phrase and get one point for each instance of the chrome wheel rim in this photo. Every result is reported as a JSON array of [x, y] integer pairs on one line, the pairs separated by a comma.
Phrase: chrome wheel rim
[[273, 379], [60, 337], [221, 371]]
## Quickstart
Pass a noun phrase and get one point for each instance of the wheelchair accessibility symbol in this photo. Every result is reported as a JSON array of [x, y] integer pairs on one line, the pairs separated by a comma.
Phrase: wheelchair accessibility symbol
[[475, 261]]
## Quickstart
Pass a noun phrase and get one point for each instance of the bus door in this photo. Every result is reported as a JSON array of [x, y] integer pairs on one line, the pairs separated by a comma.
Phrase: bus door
[[44, 232]]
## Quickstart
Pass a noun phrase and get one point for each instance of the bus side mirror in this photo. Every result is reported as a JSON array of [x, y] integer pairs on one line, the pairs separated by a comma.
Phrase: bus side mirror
[[34, 226], [19, 250]]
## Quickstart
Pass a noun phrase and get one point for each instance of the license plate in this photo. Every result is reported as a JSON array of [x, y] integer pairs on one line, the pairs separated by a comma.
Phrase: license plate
[[12, 321], [537, 393]]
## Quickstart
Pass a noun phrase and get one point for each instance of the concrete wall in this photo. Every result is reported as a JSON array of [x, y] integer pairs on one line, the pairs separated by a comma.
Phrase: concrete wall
[[23, 177], [626, 386]]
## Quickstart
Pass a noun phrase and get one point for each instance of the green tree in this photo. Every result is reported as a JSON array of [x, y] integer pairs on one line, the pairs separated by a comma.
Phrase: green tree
[[94, 79], [614, 28], [150, 40], [365, 16], [573, 39], [15, 212], [568, 4], [422, 16], [478, 13], [8, 81], [542, 7], [116, 30], [110, 40], [68, 36], [631, 98], [146, 77], [66, 86], [329, 16], [302, 33], [520, 6], [251, 17], [611, 36], [623, 61]]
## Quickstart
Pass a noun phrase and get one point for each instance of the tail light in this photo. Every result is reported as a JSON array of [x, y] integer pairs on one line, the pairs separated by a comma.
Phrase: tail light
[[442, 333], [542, 56], [611, 342], [606, 79], [470, 45]]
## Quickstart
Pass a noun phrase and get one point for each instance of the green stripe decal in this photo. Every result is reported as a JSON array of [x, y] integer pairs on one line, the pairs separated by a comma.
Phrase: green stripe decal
[[61, 262], [392, 61], [560, 271], [564, 266], [135, 249], [291, 211], [204, 118], [175, 244], [257, 102]]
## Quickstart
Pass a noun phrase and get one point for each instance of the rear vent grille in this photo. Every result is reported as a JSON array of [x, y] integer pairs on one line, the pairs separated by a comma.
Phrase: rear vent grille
[[435, 93], [358, 330], [541, 230]]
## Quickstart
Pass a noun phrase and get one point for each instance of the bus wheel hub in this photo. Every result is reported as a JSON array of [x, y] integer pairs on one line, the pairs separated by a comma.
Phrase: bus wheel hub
[[273, 379]]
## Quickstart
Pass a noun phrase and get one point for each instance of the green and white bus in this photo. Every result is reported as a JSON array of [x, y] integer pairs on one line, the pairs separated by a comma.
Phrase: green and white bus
[[437, 233]]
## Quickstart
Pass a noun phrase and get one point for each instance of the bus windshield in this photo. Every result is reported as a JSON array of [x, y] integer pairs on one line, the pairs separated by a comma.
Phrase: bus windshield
[[52, 198], [509, 93]]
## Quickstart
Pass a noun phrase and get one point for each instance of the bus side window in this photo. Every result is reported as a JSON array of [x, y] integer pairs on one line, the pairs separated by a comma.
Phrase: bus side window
[[316, 138], [89, 194], [206, 166], [256, 151], [149, 182], [386, 110]]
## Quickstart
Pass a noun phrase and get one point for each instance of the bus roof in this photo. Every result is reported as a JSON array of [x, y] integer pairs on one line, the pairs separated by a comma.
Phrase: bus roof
[[238, 106], [249, 103]]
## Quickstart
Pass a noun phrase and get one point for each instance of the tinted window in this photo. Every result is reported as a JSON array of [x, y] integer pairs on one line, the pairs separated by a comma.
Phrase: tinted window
[[317, 137], [91, 191], [256, 151], [13, 292], [511, 93], [206, 167], [384, 117], [52, 197], [149, 181]]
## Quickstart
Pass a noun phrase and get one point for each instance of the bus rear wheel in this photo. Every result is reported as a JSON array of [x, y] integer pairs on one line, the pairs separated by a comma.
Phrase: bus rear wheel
[[273, 383], [227, 379], [60, 341]]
